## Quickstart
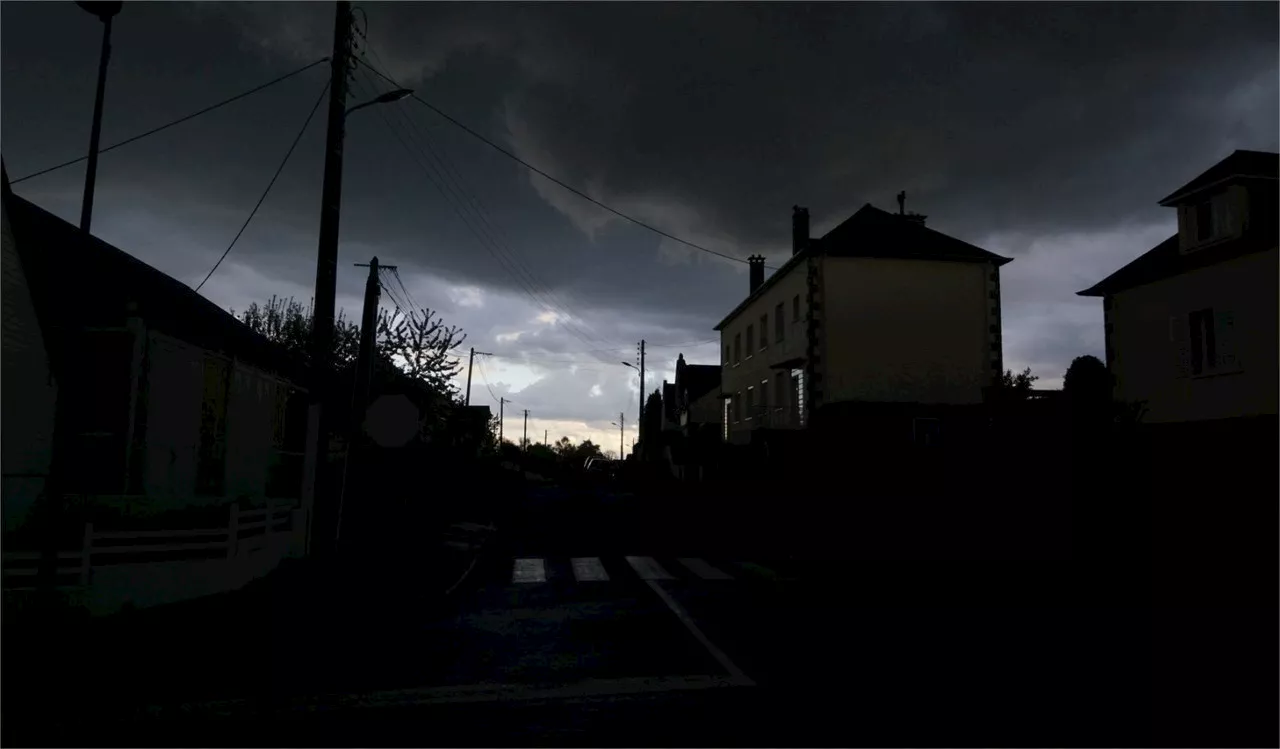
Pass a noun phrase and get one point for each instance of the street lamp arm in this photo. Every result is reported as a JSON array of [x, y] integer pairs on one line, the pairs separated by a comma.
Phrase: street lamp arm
[[386, 98]]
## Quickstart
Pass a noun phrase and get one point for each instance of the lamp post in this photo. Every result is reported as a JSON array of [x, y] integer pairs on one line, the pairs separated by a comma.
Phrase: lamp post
[[105, 11], [622, 420], [327, 261]]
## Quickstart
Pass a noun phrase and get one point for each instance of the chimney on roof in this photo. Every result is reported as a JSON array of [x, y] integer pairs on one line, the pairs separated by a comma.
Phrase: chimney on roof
[[756, 272], [902, 203], [799, 229]]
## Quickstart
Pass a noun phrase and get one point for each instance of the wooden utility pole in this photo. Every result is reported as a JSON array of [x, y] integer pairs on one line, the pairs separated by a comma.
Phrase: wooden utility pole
[[363, 375], [622, 428], [640, 423], [524, 441], [470, 363], [314, 494], [501, 419], [331, 191]]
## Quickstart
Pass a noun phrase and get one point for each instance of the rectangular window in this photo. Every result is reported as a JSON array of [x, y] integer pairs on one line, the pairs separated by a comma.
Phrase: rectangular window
[[751, 391], [764, 398], [727, 360], [779, 390], [779, 325], [751, 340], [737, 407], [798, 397], [795, 308], [1204, 348], [1204, 221], [737, 348], [764, 332]]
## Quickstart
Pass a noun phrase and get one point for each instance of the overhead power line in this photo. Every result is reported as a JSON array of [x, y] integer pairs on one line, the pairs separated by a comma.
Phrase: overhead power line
[[178, 121], [559, 182], [438, 176], [270, 184]]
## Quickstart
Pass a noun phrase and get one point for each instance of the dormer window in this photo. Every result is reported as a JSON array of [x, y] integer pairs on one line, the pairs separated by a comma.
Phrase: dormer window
[[1204, 221]]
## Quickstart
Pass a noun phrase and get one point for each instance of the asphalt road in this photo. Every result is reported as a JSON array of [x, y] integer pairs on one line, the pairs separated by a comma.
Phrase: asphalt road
[[607, 620]]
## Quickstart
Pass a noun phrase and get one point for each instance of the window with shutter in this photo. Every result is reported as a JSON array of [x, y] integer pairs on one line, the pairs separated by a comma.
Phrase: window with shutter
[[779, 325], [1181, 348], [1228, 359]]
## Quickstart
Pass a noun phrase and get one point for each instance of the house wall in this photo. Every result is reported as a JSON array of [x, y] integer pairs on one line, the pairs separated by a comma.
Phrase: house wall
[[909, 330], [175, 399], [1150, 341], [29, 392], [755, 367], [175, 389]]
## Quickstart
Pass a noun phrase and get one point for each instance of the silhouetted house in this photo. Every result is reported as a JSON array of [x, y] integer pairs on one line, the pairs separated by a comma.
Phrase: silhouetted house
[[670, 420], [164, 400], [1191, 324], [698, 408], [880, 331], [30, 392]]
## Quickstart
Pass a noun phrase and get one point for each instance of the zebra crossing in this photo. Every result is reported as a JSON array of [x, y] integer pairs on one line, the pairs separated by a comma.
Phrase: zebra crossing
[[591, 570]]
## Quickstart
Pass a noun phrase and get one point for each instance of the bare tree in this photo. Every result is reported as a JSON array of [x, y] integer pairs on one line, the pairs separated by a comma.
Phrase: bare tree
[[419, 344], [288, 323]]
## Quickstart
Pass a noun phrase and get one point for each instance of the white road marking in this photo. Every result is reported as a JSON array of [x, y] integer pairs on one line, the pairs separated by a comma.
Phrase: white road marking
[[703, 570], [588, 569], [586, 689], [738, 678], [648, 569], [529, 571]]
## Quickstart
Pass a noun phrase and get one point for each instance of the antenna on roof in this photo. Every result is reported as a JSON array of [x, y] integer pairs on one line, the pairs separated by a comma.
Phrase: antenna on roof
[[902, 203]]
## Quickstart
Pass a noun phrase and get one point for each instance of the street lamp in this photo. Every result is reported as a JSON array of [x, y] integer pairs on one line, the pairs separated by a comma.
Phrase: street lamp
[[327, 261], [620, 424], [387, 98], [105, 11]]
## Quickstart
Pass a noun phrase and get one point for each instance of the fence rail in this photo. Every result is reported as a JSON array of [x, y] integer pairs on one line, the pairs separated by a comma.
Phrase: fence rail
[[276, 517]]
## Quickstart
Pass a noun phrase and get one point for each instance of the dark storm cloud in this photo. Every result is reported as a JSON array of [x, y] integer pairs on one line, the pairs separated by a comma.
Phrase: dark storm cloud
[[1046, 132]]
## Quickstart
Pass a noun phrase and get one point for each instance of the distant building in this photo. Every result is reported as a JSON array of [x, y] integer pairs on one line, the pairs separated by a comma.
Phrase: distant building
[[883, 323], [1191, 324]]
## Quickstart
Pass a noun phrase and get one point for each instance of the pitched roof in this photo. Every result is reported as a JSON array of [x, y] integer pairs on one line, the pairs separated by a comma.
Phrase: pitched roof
[[77, 278], [873, 233], [1240, 164], [700, 379], [1165, 261]]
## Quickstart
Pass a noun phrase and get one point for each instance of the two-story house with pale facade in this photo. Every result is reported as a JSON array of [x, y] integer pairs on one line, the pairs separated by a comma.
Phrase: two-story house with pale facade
[[883, 322], [1191, 324]]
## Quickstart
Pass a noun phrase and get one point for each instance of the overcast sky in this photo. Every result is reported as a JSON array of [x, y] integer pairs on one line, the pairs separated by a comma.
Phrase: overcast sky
[[1038, 131]]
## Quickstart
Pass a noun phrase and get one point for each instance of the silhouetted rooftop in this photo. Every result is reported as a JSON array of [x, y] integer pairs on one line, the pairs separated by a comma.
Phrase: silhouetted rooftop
[[1239, 165], [874, 233], [78, 280], [1165, 261], [700, 379]]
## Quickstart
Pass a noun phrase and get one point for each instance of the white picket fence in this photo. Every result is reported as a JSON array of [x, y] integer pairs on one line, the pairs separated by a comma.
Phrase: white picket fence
[[135, 558]]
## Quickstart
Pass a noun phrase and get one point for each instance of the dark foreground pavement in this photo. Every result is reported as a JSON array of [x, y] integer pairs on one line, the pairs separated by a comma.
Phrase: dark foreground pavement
[[832, 651]]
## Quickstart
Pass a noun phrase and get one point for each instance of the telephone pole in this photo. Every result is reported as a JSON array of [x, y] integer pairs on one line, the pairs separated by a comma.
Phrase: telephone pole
[[524, 441], [368, 335], [640, 423], [622, 428], [501, 419], [470, 363], [315, 495], [544, 437]]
